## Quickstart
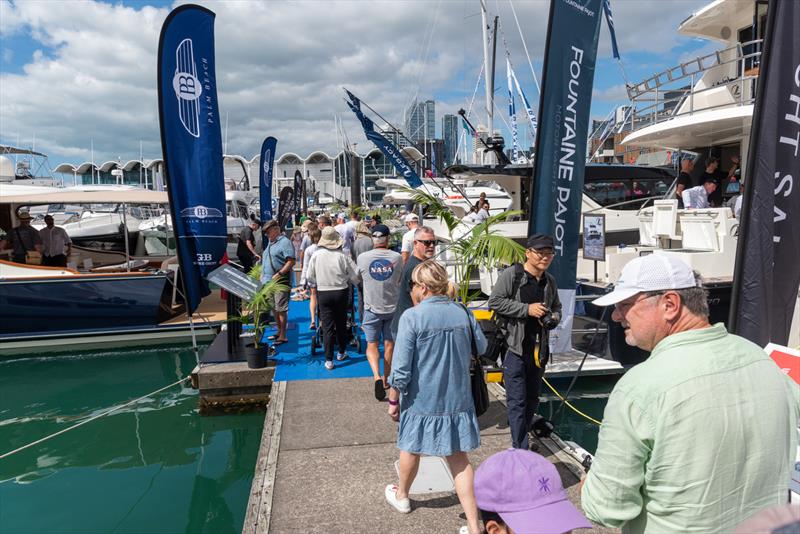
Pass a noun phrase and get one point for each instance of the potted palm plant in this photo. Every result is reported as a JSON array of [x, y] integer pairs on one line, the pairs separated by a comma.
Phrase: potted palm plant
[[257, 352], [480, 247]]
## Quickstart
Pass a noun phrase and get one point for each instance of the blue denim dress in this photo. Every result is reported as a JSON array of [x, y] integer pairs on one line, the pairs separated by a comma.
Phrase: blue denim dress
[[430, 368]]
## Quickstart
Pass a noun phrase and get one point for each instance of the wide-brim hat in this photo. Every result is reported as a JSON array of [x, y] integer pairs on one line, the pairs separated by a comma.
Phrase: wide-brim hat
[[330, 238], [24, 216], [654, 272]]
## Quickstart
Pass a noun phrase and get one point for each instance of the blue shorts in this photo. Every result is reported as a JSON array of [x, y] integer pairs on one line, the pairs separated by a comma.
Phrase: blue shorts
[[376, 323]]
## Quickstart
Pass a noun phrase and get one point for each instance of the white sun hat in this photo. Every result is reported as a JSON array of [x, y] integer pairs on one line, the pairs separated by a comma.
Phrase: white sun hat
[[654, 272]]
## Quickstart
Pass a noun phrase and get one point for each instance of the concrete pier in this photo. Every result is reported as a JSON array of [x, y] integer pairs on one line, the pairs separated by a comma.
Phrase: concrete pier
[[328, 450]]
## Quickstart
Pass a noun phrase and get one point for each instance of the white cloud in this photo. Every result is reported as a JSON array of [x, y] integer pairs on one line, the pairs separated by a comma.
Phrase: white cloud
[[280, 67]]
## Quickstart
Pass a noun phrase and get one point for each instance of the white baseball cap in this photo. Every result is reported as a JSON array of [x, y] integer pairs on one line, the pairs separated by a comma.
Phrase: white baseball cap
[[411, 217], [654, 272]]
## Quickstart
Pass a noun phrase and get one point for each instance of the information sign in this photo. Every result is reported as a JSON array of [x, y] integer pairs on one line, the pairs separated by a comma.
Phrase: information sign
[[594, 237], [234, 281]]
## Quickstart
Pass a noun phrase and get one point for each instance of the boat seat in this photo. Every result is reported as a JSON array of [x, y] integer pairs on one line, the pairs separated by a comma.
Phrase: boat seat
[[647, 235], [699, 231], [665, 219]]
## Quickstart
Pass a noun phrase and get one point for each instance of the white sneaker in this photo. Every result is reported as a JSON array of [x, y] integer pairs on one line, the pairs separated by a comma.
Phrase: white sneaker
[[341, 356], [401, 505], [329, 365]]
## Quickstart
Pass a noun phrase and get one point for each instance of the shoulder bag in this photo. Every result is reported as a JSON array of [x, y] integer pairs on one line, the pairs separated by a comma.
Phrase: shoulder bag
[[480, 393]]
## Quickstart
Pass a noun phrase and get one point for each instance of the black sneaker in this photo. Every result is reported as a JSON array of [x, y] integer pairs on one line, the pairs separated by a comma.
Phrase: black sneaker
[[380, 393]]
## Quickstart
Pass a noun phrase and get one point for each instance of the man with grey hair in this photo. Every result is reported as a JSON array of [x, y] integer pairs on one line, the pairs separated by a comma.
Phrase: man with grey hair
[[424, 243], [702, 434], [381, 270]]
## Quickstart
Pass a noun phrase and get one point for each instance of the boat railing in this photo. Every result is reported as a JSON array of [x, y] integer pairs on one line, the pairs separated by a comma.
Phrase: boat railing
[[725, 78]]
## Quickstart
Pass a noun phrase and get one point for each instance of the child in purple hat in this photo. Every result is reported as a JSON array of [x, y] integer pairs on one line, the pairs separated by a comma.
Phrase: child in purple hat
[[520, 492]]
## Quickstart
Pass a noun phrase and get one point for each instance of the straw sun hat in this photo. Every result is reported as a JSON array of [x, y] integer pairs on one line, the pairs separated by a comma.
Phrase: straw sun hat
[[330, 238]]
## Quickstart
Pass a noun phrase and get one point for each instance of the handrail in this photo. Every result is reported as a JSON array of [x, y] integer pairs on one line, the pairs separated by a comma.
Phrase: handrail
[[663, 96]]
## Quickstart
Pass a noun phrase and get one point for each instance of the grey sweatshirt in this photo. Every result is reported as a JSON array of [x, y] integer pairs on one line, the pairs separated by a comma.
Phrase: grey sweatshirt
[[330, 270]]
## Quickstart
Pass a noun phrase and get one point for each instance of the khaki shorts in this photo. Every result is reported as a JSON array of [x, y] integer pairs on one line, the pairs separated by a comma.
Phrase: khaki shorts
[[280, 301]]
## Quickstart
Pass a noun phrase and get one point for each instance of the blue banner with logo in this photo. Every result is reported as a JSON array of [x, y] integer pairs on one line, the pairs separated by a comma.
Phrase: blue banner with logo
[[766, 275], [566, 97], [265, 177], [192, 144], [383, 144]]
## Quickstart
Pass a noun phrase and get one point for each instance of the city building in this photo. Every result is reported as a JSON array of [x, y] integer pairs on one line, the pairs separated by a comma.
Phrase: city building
[[420, 121], [450, 137]]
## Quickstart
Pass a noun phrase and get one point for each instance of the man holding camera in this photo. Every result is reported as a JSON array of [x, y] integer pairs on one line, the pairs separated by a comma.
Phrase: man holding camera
[[525, 298]]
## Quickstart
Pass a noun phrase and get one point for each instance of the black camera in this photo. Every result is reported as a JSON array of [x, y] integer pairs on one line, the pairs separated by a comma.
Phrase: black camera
[[549, 320]]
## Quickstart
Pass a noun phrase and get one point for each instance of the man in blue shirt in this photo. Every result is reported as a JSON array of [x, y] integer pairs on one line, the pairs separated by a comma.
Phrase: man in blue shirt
[[277, 262]]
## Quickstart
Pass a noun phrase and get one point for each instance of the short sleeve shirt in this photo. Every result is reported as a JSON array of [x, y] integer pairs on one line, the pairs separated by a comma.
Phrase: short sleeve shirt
[[408, 242], [275, 256], [24, 239], [381, 270]]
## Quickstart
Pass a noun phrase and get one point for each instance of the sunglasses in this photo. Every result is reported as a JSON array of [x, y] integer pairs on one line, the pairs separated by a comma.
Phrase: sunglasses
[[543, 254], [426, 242]]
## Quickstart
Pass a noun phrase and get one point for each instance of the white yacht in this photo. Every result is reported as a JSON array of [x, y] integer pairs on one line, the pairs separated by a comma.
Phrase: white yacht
[[453, 195]]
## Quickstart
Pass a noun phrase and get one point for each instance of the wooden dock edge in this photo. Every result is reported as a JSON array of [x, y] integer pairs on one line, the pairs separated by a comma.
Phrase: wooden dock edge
[[259, 506]]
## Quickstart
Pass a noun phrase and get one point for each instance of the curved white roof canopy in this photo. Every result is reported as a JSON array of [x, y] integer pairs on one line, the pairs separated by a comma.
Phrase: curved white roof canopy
[[719, 20], [704, 128]]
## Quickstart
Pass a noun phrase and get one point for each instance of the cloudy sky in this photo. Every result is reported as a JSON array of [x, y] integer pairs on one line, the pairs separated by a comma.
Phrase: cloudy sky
[[77, 74]]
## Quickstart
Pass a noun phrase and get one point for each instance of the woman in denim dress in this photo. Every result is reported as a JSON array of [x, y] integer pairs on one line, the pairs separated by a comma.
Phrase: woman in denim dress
[[430, 377]]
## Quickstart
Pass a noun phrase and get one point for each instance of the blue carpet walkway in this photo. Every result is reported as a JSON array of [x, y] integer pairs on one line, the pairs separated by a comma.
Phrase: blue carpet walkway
[[294, 359]]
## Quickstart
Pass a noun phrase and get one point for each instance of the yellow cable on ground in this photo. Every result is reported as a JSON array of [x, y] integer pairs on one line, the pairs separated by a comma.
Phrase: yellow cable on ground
[[573, 408]]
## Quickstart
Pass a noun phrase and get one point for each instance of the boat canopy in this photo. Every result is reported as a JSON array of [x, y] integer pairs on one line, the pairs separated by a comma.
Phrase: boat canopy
[[128, 196]]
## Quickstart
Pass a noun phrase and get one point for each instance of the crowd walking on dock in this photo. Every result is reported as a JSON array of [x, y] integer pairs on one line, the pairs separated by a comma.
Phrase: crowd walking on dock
[[681, 446]]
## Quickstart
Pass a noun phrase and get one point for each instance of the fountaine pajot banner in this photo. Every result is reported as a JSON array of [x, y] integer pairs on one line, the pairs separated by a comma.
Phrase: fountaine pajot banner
[[767, 270], [265, 177], [566, 98], [192, 144]]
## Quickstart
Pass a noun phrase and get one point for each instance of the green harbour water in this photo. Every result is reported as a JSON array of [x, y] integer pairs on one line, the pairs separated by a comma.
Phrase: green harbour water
[[589, 395], [155, 466]]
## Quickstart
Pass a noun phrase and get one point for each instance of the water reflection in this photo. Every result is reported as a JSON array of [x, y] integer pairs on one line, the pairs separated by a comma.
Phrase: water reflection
[[152, 466]]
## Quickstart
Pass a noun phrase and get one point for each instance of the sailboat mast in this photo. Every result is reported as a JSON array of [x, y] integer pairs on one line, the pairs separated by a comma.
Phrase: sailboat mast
[[486, 69]]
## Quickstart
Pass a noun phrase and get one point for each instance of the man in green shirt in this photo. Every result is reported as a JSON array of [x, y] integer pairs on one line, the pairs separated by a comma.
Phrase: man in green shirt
[[701, 435]]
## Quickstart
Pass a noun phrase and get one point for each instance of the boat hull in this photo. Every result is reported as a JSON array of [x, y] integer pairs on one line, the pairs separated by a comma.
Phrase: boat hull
[[66, 305]]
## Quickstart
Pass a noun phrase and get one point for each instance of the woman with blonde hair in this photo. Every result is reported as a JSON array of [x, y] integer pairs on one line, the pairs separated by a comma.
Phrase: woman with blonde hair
[[430, 391]]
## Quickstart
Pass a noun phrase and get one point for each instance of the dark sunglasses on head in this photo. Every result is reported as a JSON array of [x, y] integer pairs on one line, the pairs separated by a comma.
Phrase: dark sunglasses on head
[[426, 242]]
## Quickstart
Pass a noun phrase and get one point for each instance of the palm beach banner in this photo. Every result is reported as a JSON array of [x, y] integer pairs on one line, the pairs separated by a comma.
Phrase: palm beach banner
[[265, 177], [767, 272], [566, 96], [192, 144], [383, 144]]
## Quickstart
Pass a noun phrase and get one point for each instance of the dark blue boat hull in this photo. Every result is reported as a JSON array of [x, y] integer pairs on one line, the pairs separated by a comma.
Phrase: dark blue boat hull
[[70, 305]]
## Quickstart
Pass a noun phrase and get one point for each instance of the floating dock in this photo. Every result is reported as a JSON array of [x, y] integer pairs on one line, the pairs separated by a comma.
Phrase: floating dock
[[328, 450]]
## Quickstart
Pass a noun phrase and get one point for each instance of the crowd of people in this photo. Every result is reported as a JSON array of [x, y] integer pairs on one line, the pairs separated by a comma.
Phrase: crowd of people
[[700, 383]]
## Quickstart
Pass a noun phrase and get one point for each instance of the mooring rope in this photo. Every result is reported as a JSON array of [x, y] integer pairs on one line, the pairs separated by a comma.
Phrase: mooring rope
[[98, 416]]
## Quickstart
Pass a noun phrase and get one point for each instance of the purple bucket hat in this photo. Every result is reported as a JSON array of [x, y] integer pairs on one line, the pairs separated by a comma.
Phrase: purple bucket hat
[[525, 489]]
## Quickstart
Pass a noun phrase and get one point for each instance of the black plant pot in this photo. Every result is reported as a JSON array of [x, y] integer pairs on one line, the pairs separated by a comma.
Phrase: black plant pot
[[256, 356]]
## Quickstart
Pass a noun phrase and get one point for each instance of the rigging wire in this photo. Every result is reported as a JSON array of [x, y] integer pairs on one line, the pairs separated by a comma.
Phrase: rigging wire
[[93, 418], [525, 46]]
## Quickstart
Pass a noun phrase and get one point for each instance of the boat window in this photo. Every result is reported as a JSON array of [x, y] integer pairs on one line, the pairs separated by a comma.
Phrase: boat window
[[628, 193]]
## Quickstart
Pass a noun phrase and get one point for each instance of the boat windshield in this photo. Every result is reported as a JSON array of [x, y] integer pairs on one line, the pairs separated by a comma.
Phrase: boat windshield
[[628, 189]]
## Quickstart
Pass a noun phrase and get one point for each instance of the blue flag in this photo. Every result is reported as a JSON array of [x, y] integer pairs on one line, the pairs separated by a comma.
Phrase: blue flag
[[555, 209], [610, 22], [192, 144], [265, 177], [383, 144]]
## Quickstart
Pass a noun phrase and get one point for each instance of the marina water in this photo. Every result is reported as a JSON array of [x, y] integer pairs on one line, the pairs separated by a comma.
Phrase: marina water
[[154, 466]]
